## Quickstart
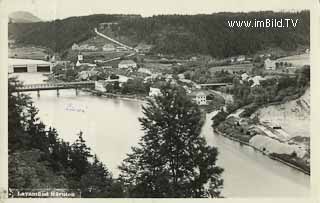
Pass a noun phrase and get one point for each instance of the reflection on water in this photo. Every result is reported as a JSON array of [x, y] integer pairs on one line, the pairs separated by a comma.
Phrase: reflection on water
[[111, 128]]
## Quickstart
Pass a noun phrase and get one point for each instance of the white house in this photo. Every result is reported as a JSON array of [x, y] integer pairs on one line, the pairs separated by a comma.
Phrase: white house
[[256, 80], [144, 70], [123, 79], [269, 64], [241, 58], [127, 64], [154, 92], [199, 97], [100, 86], [244, 76], [75, 47], [28, 66]]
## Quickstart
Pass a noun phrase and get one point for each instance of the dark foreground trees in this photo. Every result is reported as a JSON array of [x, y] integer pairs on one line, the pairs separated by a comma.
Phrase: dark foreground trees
[[172, 159], [39, 159]]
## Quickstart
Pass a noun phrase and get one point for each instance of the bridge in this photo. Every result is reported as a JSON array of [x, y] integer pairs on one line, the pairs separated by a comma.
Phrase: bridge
[[55, 86], [215, 84]]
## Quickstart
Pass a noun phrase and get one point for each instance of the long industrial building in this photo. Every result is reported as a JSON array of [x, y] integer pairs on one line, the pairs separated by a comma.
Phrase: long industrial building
[[28, 66]]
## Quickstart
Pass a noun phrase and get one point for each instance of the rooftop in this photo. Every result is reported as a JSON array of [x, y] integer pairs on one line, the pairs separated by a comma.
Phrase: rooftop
[[13, 61]]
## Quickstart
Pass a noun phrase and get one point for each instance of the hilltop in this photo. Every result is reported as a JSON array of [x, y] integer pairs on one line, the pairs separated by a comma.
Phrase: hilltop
[[23, 17]]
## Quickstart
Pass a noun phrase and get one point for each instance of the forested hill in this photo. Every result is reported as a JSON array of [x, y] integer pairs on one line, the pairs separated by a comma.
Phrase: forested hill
[[59, 35], [177, 34]]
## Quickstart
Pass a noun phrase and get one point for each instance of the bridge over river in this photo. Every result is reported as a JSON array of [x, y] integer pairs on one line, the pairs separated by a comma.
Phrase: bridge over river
[[55, 86]]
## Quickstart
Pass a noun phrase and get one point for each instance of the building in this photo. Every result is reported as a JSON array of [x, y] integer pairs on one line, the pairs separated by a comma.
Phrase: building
[[256, 80], [123, 79], [85, 75], [28, 66], [108, 48], [145, 71], [106, 25], [241, 58], [291, 69], [100, 86], [199, 97], [127, 64], [244, 76], [269, 64], [154, 92]]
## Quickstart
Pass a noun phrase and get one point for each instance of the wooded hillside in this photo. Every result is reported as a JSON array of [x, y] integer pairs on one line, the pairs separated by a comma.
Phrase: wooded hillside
[[175, 34]]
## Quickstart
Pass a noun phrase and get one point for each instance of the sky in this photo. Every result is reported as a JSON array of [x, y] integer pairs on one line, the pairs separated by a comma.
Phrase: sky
[[59, 9]]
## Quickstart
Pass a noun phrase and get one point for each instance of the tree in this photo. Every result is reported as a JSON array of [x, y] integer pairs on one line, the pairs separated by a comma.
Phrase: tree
[[97, 181], [172, 159], [79, 157]]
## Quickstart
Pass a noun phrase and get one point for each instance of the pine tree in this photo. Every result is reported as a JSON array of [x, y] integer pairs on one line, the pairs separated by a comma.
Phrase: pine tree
[[80, 153], [172, 159]]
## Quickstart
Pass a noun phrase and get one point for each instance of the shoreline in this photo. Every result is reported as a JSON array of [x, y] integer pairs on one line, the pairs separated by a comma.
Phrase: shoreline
[[116, 96], [143, 99], [268, 155]]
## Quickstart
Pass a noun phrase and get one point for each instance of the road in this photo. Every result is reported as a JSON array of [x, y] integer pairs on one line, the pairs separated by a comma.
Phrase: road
[[112, 40], [116, 42]]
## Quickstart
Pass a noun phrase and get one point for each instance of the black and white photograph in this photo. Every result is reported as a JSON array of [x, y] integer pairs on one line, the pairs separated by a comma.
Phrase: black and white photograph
[[109, 99]]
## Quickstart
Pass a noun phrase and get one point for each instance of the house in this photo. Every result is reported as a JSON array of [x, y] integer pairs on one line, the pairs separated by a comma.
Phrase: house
[[108, 48], [123, 79], [85, 75], [291, 69], [199, 97], [145, 71], [100, 86], [106, 25], [78, 64], [28, 66], [181, 76], [127, 64], [241, 58], [154, 92], [269, 64], [256, 80], [106, 67], [75, 46], [244, 76]]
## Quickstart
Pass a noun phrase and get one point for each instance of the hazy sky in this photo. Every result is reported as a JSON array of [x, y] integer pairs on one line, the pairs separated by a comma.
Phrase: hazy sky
[[58, 9]]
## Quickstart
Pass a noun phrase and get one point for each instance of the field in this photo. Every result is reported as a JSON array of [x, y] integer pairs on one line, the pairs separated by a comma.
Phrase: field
[[297, 60], [293, 116], [97, 41], [28, 52], [233, 68]]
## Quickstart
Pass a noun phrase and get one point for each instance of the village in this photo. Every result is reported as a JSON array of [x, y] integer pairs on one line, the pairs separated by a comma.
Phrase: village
[[114, 66]]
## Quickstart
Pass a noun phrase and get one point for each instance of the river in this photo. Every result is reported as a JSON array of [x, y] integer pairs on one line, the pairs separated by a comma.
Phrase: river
[[111, 127]]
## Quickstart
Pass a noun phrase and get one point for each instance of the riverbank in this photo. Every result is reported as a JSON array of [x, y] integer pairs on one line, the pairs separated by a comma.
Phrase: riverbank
[[271, 156], [120, 96]]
